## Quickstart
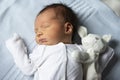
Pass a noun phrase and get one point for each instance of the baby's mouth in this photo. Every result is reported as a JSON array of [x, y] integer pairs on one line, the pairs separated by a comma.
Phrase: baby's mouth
[[42, 40]]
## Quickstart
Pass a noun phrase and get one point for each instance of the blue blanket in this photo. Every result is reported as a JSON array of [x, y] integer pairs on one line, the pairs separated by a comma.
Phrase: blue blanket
[[19, 16]]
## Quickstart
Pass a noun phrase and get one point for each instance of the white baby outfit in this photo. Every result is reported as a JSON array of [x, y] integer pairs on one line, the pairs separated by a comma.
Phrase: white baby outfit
[[46, 62]]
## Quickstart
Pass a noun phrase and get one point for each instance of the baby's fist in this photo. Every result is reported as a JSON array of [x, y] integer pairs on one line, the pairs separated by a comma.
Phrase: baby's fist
[[15, 44]]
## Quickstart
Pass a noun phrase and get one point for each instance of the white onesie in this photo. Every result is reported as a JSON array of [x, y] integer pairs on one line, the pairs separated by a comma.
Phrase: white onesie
[[47, 62]]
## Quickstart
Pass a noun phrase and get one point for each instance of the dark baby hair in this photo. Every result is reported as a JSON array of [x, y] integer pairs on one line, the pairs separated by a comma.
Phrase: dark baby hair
[[66, 12]]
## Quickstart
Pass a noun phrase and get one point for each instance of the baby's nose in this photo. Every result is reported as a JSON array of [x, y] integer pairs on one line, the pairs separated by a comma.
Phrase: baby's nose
[[39, 34]]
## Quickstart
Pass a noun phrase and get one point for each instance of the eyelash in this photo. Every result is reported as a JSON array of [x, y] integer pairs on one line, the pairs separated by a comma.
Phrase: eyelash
[[45, 26], [37, 30]]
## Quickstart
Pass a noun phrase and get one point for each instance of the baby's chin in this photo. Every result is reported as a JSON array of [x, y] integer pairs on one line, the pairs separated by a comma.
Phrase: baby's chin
[[52, 43]]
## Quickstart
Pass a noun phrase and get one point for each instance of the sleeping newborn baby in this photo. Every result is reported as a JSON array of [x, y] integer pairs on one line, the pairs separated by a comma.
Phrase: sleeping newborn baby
[[51, 59]]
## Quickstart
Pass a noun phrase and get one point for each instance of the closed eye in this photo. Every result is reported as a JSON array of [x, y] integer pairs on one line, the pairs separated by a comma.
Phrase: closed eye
[[46, 25]]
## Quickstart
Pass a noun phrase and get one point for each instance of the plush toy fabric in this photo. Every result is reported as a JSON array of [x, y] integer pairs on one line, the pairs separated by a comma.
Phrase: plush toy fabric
[[93, 44]]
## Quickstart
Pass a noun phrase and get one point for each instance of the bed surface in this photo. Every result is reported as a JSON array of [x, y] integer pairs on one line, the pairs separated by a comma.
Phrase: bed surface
[[19, 15]]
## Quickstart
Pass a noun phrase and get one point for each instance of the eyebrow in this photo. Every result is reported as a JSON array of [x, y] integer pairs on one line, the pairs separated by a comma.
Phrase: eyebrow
[[55, 17]]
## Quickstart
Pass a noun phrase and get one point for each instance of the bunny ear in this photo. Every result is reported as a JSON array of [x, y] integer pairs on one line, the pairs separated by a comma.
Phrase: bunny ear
[[82, 31], [106, 38]]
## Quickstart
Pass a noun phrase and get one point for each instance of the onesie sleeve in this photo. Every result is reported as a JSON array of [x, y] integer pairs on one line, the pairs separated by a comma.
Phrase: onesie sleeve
[[18, 50]]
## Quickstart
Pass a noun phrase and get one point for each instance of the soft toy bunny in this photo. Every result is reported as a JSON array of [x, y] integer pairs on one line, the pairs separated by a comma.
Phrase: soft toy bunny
[[93, 45]]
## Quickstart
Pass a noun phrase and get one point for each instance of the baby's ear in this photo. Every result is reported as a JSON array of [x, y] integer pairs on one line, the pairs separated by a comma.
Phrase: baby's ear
[[82, 31], [106, 38], [68, 28]]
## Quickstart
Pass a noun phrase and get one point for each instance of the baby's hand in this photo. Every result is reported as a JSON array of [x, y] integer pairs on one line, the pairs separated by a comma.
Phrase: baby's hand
[[15, 44], [15, 37]]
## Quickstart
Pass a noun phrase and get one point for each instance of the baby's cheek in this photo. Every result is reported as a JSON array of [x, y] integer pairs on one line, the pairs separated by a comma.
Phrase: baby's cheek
[[36, 39]]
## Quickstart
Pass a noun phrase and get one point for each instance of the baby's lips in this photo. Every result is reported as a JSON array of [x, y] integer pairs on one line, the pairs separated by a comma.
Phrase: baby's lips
[[42, 40]]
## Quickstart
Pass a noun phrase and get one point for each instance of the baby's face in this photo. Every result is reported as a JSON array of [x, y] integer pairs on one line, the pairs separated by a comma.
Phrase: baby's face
[[49, 29]]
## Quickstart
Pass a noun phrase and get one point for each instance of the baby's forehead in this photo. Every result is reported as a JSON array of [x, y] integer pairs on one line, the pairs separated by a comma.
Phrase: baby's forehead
[[59, 11], [51, 14], [48, 14], [56, 9]]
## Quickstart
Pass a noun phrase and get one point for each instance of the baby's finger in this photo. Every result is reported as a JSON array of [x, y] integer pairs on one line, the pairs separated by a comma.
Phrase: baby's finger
[[15, 37]]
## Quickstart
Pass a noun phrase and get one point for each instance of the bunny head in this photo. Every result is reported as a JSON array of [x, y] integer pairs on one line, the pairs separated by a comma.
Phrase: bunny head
[[93, 41]]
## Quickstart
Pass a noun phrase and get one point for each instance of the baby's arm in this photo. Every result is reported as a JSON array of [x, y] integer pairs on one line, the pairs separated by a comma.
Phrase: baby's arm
[[18, 50]]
